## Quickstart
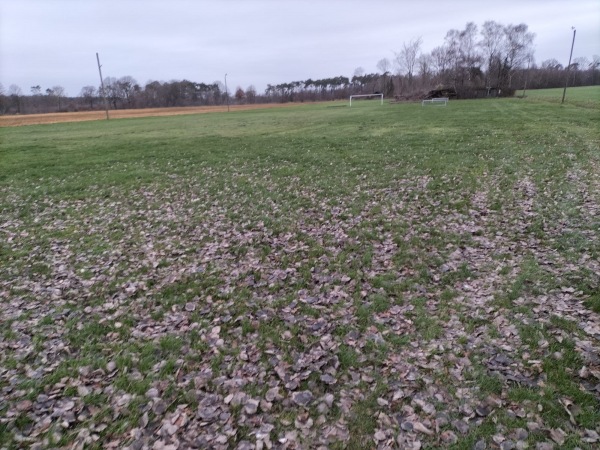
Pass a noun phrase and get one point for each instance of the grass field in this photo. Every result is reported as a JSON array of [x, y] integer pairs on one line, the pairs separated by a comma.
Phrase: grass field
[[582, 96], [83, 116], [388, 276]]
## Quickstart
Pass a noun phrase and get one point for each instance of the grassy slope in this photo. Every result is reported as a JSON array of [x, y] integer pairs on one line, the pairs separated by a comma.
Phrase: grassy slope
[[382, 196], [582, 95]]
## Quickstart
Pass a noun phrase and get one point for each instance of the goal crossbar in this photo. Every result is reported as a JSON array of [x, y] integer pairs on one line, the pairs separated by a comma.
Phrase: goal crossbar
[[438, 100], [366, 95]]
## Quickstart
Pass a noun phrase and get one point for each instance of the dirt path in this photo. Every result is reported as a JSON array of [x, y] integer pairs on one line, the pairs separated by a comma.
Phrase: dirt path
[[36, 119]]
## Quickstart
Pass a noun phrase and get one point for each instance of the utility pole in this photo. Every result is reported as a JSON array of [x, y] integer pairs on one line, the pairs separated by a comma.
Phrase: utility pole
[[529, 57], [226, 93], [569, 66], [102, 85]]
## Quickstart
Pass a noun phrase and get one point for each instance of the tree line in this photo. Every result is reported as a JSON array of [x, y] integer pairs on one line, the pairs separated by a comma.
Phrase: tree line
[[491, 60]]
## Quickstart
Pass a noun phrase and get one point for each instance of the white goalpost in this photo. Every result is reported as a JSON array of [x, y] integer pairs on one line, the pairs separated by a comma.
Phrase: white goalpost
[[366, 95]]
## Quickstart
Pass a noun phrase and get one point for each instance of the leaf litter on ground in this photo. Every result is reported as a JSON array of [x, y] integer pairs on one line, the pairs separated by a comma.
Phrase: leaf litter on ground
[[400, 321]]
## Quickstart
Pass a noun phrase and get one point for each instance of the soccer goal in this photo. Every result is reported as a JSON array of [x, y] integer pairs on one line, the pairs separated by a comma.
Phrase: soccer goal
[[366, 95], [436, 101]]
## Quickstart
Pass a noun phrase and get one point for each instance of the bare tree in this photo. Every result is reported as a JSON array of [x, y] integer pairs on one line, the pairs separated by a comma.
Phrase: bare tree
[[549, 74], [406, 59], [219, 92], [424, 66], [14, 89], [359, 72], [452, 53], [36, 97], [88, 93], [251, 94], [518, 50], [440, 60], [111, 91], [384, 65], [153, 94], [594, 65], [491, 44], [15, 94], [126, 87], [469, 58], [579, 67], [3, 100], [240, 95], [581, 63], [58, 92]]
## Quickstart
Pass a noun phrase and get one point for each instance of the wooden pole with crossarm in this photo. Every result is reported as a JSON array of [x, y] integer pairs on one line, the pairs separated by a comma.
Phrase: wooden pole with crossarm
[[102, 85], [569, 66]]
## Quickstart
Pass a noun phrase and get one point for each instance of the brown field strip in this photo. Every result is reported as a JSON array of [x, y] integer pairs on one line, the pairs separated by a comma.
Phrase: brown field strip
[[36, 119]]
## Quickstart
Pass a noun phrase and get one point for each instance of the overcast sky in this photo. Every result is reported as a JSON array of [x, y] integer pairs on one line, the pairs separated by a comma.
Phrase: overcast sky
[[54, 42]]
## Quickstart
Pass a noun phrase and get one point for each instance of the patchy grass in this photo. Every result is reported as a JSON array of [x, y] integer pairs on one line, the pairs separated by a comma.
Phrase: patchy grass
[[348, 278]]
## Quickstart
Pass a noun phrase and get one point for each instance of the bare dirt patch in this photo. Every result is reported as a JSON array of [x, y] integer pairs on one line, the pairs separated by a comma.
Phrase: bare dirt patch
[[37, 119]]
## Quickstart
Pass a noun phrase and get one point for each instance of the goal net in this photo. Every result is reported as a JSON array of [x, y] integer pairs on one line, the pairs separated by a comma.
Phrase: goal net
[[366, 95]]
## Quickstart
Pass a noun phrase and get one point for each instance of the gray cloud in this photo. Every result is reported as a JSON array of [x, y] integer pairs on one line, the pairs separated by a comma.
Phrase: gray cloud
[[255, 42]]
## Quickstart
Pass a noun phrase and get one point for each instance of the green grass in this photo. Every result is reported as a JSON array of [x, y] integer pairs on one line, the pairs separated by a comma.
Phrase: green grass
[[369, 244], [582, 95], [298, 141]]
